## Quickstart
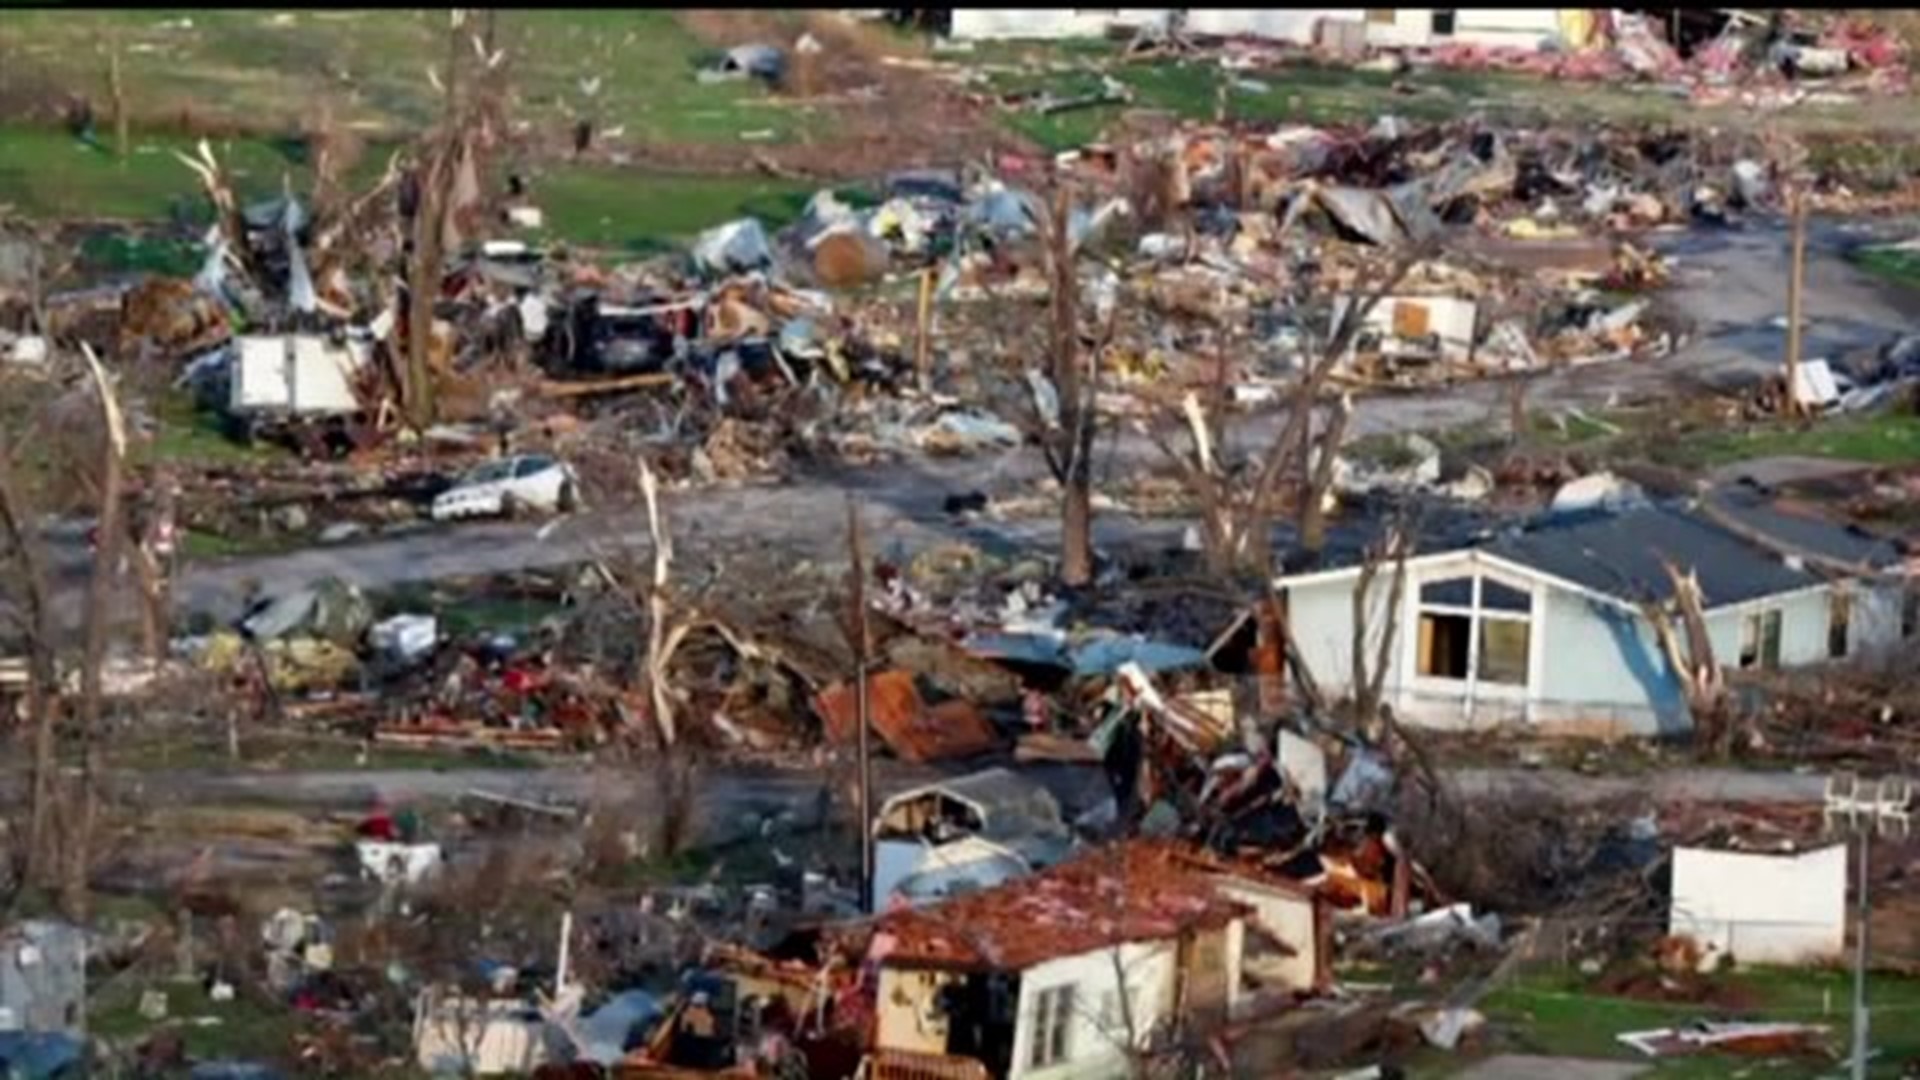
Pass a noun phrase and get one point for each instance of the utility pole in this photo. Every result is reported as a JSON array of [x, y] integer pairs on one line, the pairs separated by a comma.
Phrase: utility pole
[[1860, 958], [1796, 278], [863, 649], [1866, 808]]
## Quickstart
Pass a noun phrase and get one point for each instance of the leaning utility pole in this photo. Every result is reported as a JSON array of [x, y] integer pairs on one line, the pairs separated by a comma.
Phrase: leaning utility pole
[[863, 650]]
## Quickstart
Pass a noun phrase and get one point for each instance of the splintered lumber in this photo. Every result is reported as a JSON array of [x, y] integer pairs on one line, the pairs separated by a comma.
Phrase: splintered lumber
[[648, 381]]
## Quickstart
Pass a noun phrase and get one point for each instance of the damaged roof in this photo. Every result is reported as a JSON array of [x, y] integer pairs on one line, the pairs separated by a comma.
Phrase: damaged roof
[[1135, 891], [1619, 554]]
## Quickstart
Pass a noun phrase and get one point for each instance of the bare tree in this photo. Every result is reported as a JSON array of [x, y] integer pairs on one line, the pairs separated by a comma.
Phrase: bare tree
[[36, 626], [1065, 393], [1237, 507], [1370, 670], [98, 612], [670, 618]]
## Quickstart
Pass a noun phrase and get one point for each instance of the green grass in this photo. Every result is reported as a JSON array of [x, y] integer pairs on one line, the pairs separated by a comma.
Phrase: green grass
[[1877, 439], [642, 213], [1557, 1014], [273, 71], [197, 545], [187, 435], [133, 253], [1901, 267], [245, 1028], [49, 175]]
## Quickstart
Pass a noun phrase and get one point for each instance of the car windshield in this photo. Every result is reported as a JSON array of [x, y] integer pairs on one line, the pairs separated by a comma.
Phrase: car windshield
[[488, 473]]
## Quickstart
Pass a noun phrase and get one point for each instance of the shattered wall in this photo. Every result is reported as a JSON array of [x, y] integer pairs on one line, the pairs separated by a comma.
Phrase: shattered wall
[[908, 1017], [1803, 627], [1875, 624], [1288, 918]]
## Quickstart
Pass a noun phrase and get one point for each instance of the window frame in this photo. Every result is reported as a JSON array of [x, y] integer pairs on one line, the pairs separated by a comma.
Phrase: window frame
[[1477, 614], [1760, 629], [1051, 1042]]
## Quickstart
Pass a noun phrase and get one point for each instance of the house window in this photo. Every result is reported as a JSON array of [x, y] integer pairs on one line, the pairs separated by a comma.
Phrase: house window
[[1475, 625], [1760, 641], [1909, 614], [1839, 620], [1444, 645], [1443, 22], [1052, 1020], [1503, 651]]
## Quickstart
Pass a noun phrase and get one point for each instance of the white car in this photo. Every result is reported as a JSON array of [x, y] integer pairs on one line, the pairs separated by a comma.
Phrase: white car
[[507, 486]]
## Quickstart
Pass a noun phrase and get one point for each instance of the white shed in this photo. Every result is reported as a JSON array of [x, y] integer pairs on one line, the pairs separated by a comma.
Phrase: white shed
[[1757, 908]]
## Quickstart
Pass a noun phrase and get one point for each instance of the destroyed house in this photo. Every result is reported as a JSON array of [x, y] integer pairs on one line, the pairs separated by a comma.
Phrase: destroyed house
[[1060, 973], [1550, 624]]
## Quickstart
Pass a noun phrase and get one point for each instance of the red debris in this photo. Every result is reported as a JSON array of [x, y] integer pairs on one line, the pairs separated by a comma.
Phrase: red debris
[[1140, 890], [914, 732]]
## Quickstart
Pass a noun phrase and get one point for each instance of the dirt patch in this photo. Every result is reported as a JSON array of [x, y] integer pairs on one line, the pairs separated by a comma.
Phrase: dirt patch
[[1642, 984], [884, 117]]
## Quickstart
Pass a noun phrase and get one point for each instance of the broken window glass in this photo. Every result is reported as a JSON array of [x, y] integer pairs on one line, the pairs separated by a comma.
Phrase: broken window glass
[[1503, 650], [1839, 623], [1760, 641], [1444, 645]]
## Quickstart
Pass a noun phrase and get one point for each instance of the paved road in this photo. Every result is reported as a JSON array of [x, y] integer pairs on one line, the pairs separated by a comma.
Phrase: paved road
[[1732, 284], [727, 795]]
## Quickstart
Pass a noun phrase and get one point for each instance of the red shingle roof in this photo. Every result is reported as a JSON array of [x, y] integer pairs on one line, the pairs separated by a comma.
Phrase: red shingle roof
[[1142, 890]]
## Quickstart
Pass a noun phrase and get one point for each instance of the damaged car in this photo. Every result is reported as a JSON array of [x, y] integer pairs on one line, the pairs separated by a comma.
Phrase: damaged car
[[508, 487]]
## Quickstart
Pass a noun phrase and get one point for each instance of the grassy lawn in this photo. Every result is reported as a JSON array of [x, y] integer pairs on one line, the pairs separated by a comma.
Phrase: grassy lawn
[[271, 70], [1555, 1014], [1878, 439], [245, 1028], [50, 175], [638, 213], [1898, 265], [184, 434]]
